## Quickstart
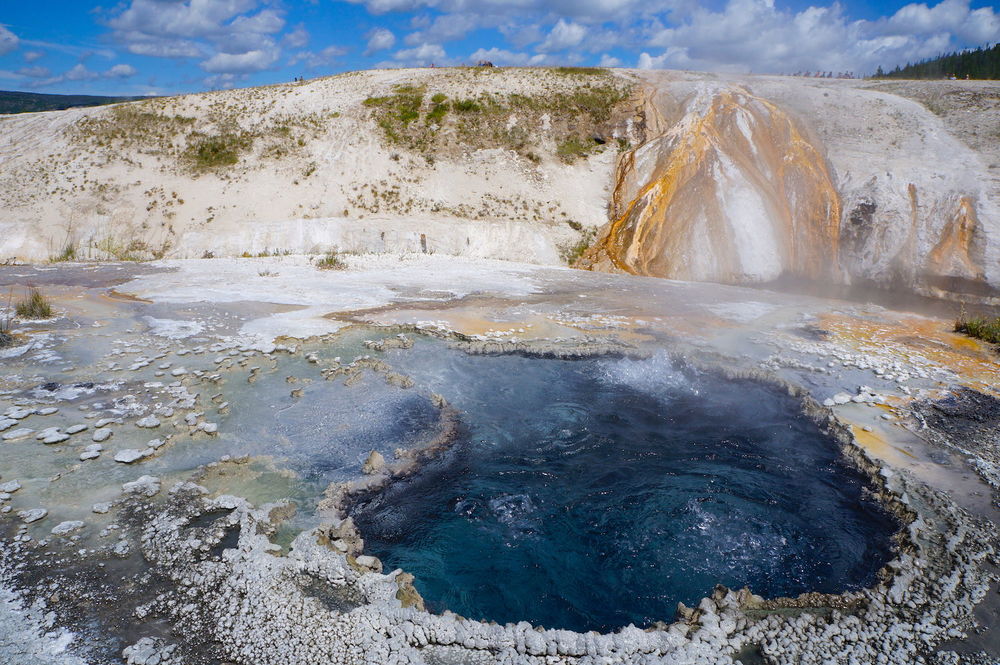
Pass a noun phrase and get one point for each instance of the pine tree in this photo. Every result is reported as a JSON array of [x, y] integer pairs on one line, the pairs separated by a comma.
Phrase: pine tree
[[979, 63]]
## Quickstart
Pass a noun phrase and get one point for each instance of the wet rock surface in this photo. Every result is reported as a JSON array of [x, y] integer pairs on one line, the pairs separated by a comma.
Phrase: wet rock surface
[[227, 543], [968, 421]]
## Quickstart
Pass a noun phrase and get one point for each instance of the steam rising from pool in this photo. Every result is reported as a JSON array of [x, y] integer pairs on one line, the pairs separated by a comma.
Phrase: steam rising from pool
[[592, 494]]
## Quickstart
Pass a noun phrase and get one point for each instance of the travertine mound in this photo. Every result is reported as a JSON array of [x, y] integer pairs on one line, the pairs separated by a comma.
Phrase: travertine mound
[[753, 179]]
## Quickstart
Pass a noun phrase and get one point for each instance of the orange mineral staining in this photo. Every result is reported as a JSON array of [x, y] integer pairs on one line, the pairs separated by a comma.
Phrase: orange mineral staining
[[733, 192]]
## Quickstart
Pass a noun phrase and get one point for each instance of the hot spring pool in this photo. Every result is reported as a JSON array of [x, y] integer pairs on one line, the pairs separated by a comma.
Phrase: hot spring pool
[[589, 495]]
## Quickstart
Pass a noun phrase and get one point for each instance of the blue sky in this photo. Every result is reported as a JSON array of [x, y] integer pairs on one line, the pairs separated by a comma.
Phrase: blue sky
[[169, 46]]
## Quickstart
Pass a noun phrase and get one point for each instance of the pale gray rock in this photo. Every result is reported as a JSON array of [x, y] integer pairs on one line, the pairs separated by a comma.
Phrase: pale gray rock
[[69, 526], [101, 508], [150, 651], [149, 422], [841, 398], [32, 515], [10, 486], [369, 562], [130, 455], [20, 433], [76, 429], [374, 464], [144, 485], [101, 434]]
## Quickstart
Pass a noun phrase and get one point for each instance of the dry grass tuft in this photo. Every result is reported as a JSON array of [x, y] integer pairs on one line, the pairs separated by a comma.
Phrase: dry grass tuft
[[34, 306]]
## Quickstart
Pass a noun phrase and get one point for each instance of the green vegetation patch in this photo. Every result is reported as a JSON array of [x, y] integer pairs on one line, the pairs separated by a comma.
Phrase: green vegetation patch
[[68, 253], [573, 252], [580, 71], [439, 109], [222, 139], [134, 127], [980, 327], [509, 121], [210, 152], [574, 148], [331, 261], [35, 306]]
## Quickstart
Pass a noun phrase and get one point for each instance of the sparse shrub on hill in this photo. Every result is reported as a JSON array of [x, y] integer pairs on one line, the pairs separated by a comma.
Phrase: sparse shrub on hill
[[331, 261], [467, 106], [571, 253], [580, 71], [573, 148], [218, 139], [483, 120], [221, 150], [137, 127]]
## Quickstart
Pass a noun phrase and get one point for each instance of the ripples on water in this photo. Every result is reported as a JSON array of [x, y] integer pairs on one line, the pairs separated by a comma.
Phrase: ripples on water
[[594, 494]]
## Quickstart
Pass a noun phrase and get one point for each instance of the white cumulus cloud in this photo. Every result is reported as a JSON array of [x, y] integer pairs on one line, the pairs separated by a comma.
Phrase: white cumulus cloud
[[564, 35], [8, 40], [445, 28], [297, 38], [587, 10], [241, 63], [121, 71], [324, 58], [35, 72], [423, 55], [380, 39], [754, 35], [79, 72], [229, 36], [501, 57]]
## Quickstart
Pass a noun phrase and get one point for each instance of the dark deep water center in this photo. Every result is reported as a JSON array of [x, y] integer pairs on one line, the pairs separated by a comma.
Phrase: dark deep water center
[[589, 495]]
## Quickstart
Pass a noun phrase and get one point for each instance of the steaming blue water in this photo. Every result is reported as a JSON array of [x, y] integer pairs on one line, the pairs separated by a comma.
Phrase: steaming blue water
[[590, 495]]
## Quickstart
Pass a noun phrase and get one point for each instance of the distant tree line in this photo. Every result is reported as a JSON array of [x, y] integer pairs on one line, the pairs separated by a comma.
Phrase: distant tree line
[[982, 63], [27, 102]]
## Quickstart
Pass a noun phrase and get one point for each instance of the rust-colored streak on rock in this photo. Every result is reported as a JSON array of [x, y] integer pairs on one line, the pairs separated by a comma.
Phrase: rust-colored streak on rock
[[955, 253], [735, 192]]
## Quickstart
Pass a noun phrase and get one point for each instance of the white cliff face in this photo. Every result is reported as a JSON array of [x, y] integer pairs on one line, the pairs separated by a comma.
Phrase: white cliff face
[[760, 177]]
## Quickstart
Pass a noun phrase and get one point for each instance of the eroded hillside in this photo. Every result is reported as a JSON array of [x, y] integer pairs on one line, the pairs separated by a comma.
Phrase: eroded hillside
[[499, 163]]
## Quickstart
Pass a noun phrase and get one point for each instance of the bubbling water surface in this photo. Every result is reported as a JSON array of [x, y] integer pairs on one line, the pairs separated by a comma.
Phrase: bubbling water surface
[[589, 495]]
